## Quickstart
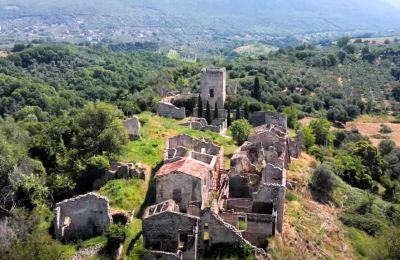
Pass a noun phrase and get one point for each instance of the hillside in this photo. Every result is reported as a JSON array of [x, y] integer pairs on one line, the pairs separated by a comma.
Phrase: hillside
[[200, 23], [62, 106]]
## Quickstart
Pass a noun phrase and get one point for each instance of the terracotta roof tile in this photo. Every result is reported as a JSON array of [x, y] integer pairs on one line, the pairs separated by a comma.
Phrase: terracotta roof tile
[[187, 166]]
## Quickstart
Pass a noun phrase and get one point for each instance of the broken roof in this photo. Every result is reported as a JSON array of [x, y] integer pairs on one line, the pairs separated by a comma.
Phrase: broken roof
[[187, 166]]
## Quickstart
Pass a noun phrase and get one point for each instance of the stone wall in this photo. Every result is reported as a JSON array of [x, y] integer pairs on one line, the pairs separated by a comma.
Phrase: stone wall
[[213, 86], [166, 109], [296, 145], [194, 144], [259, 118], [81, 217], [269, 139], [161, 255], [274, 193], [164, 230], [273, 174], [132, 127], [220, 232], [181, 188]]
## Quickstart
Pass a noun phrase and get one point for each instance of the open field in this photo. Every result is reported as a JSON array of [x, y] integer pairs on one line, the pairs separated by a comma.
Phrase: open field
[[255, 49], [372, 129], [378, 40]]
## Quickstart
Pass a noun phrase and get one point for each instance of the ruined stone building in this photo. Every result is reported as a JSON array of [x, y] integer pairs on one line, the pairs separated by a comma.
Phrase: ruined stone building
[[201, 207], [257, 183], [213, 86], [81, 217], [132, 127]]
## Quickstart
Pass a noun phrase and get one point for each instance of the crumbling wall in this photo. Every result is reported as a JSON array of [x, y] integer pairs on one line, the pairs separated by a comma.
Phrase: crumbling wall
[[269, 139], [273, 174], [166, 109], [132, 127], [193, 144], [239, 187], [259, 118], [163, 231], [219, 231], [205, 158], [240, 204], [161, 255], [81, 217], [241, 164], [258, 228], [274, 193], [181, 188], [296, 145]]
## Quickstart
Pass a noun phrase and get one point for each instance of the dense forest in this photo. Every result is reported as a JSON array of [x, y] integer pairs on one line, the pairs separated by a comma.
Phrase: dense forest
[[61, 108]]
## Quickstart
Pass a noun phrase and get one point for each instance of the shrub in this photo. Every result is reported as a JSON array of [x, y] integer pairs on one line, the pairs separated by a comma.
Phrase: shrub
[[115, 234], [385, 129], [240, 130], [309, 137], [386, 146], [321, 130], [323, 181], [367, 223]]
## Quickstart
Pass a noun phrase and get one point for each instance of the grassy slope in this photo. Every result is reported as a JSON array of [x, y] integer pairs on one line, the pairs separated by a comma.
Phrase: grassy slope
[[137, 194], [315, 231], [311, 230]]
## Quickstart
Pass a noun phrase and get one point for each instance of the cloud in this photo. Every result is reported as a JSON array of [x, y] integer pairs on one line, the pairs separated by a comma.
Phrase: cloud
[[394, 3]]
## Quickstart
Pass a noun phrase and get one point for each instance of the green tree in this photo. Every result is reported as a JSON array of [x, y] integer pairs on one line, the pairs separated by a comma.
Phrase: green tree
[[208, 113], [246, 111], [323, 182], [115, 234], [370, 158], [337, 114], [341, 55], [320, 128], [199, 106], [386, 147], [343, 41], [256, 93], [240, 130], [216, 110], [99, 130], [238, 116], [309, 137], [292, 117]]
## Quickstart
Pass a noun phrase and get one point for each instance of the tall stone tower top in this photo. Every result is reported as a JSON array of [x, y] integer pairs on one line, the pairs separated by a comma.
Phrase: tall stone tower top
[[213, 86]]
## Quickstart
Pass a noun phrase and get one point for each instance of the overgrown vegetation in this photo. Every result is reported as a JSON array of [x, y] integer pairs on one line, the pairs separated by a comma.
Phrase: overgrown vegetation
[[61, 108]]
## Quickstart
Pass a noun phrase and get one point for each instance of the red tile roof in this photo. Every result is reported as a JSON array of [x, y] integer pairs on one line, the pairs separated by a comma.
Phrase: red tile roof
[[187, 166]]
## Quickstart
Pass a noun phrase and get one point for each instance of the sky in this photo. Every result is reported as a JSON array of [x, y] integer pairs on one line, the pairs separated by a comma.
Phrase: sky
[[395, 3]]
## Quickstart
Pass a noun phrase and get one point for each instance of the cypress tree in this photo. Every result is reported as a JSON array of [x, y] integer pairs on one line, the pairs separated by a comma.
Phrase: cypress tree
[[256, 89], [229, 121], [216, 110], [208, 113], [238, 111], [246, 111], [199, 107]]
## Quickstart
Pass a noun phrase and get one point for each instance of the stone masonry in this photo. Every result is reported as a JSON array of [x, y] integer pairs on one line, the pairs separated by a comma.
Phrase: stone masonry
[[81, 217], [213, 86], [132, 127]]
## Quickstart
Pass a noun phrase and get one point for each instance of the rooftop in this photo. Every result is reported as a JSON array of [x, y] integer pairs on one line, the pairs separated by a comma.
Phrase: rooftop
[[187, 166]]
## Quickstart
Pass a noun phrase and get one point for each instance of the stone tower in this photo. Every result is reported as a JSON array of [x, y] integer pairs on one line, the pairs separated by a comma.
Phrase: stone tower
[[213, 86]]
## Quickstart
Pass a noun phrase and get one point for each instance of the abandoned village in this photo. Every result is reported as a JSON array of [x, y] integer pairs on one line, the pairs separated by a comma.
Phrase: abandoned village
[[200, 205]]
